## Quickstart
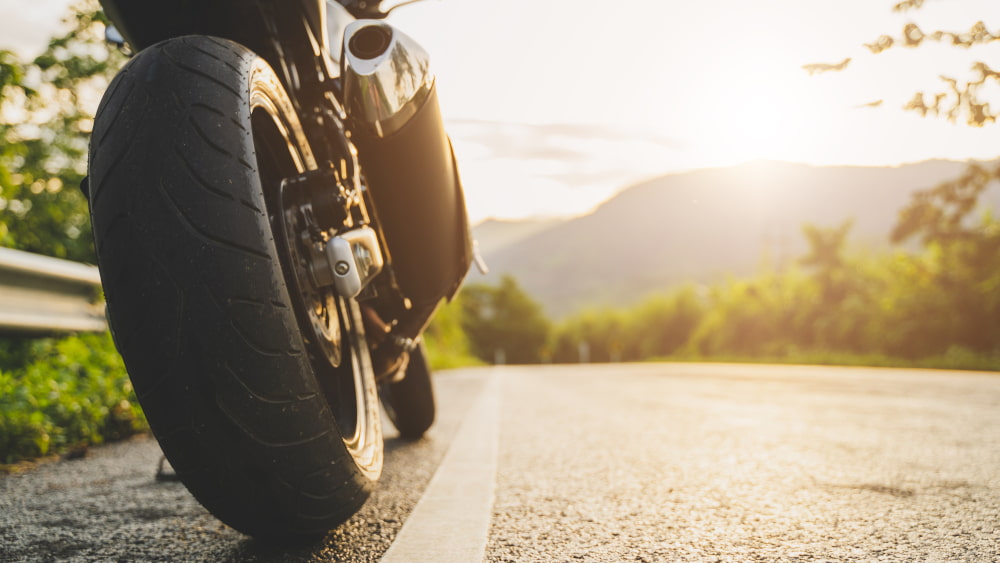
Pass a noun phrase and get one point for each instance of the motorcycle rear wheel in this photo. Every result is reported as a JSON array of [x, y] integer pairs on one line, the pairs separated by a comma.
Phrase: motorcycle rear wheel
[[409, 403], [268, 429]]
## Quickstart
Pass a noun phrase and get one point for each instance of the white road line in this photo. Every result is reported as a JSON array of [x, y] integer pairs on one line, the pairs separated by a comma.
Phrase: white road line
[[451, 522]]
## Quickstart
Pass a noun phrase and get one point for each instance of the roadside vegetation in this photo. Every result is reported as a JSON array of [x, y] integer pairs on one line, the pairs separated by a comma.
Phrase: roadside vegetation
[[58, 394], [939, 307], [936, 308], [445, 340]]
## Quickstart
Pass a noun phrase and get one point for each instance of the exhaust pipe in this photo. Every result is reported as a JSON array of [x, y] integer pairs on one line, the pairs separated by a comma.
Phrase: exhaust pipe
[[406, 157], [386, 76]]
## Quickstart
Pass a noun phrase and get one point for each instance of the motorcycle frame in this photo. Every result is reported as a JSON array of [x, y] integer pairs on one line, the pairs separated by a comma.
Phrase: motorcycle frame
[[292, 36]]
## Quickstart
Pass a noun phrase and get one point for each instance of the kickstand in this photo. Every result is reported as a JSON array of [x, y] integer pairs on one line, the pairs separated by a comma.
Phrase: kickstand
[[164, 476]]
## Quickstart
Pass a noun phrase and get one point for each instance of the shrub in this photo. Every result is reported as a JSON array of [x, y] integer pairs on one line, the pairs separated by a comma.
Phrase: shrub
[[56, 394]]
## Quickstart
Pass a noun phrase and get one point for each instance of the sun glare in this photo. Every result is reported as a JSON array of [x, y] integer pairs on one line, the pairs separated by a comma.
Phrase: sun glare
[[753, 104], [701, 84]]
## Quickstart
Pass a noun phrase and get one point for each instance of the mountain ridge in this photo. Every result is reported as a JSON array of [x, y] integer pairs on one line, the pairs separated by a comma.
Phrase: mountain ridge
[[701, 226]]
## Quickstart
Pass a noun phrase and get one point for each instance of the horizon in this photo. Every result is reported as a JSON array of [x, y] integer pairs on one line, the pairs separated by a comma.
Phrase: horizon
[[651, 179]]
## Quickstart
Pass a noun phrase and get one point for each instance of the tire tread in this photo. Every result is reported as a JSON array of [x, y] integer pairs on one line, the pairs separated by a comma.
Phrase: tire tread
[[197, 299]]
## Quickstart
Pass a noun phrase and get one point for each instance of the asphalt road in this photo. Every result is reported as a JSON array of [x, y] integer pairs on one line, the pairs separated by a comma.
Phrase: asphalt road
[[649, 462]]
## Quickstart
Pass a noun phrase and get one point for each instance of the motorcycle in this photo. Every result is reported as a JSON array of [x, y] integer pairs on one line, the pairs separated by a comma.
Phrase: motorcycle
[[278, 214]]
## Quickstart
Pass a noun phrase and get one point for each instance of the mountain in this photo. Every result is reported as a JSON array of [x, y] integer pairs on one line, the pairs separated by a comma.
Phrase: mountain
[[699, 226], [495, 234]]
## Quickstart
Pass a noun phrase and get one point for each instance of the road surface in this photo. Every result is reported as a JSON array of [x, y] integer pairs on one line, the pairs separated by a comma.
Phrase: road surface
[[644, 462]]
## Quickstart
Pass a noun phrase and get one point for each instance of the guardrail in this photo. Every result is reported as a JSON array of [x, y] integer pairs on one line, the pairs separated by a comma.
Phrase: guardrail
[[40, 294]]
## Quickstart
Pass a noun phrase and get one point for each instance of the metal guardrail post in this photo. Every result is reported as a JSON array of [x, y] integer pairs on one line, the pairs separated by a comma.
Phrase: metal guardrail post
[[40, 294]]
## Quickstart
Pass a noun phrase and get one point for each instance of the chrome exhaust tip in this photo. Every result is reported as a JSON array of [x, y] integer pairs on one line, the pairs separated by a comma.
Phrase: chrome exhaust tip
[[386, 76]]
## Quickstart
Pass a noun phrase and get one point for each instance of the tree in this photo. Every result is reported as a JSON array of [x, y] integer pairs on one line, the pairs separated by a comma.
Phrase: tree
[[945, 213], [655, 328], [826, 256], [959, 98], [966, 251], [47, 108], [963, 253], [503, 323], [447, 345]]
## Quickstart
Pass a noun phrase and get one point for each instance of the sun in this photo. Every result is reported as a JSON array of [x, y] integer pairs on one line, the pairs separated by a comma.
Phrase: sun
[[753, 104], [753, 110]]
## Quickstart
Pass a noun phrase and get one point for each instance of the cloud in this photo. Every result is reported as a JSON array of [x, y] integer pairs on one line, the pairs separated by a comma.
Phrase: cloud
[[547, 141], [521, 170]]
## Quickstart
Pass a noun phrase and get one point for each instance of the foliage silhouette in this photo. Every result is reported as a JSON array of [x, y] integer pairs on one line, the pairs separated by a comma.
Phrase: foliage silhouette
[[46, 111], [967, 98], [503, 324], [939, 307]]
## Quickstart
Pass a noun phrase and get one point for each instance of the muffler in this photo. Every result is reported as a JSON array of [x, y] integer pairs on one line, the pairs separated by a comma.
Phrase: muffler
[[407, 160]]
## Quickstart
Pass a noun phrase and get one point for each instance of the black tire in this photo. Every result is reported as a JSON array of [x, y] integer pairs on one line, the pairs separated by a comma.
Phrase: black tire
[[409, 403], [189, 146]]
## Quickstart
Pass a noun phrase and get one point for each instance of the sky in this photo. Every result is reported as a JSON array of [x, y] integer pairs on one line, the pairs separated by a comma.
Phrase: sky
[[555, 105]]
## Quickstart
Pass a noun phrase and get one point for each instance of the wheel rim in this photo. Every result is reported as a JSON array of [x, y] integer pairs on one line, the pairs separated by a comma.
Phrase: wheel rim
[[342, 365]]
